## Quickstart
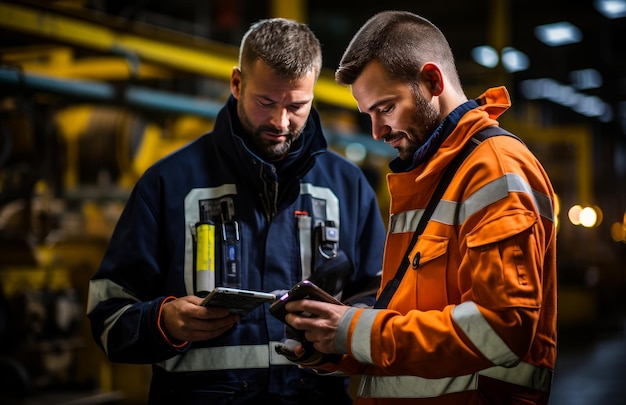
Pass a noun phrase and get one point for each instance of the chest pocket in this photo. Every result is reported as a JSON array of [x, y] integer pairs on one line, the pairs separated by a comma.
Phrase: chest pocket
[[429, 254]]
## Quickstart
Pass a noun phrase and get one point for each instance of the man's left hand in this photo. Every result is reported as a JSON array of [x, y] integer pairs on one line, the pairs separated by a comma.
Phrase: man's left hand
[[318, 320]]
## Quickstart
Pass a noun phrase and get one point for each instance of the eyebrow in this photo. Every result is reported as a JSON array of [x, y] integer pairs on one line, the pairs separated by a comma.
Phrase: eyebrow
[[379, 102], [298, 102]]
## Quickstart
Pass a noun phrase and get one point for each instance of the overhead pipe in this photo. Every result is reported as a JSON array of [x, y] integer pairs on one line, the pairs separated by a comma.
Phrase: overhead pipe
[[133, 96]]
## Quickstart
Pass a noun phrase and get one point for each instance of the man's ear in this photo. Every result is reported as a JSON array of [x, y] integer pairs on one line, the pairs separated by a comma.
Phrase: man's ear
[[235, 82], [432, 77]]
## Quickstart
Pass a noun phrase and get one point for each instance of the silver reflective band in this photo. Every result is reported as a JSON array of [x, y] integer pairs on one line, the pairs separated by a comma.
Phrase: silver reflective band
[[225, 358], [304, 222], [304, 231], [324, 193], [498, 189], [100, 290], [361, 344], [361, 337], [405, 221], [523, 374], [341, 336], [477, 329], [490, 193]]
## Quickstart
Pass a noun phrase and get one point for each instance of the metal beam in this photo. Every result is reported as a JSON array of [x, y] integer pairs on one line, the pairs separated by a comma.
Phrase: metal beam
[[59, 61]]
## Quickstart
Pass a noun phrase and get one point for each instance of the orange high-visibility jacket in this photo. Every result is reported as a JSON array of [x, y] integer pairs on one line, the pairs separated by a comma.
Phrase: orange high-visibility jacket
[[476, 321]]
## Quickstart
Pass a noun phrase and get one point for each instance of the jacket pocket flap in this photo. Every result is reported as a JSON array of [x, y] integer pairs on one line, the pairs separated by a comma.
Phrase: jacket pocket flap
[[502, 227], [430, 247]]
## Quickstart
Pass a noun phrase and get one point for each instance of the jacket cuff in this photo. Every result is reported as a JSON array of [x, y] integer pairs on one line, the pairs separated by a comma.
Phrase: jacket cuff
[[343, 331], [179, 344]]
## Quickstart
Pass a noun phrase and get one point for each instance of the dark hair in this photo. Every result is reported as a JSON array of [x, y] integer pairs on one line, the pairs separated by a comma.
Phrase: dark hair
[[288, 47], [402, 42]]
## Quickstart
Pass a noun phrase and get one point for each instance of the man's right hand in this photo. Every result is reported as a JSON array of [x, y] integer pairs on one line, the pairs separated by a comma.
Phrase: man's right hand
[[184, 319]]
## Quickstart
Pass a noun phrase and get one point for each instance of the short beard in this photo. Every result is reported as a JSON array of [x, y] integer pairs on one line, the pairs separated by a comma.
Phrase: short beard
[[268, 150]]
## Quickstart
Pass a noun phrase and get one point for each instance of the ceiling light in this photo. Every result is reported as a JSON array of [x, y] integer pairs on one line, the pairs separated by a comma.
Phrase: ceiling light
[[549, 89], [586, 79], [514, 60], [561, 33], [485, 56], [611, 8]]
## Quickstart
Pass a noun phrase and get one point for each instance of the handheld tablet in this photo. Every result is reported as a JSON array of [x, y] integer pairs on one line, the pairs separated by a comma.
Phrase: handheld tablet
[[304, 289], [236, 300]]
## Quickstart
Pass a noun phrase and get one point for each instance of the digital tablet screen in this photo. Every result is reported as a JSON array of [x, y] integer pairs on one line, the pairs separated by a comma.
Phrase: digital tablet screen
[[304, 289], [236, 300]]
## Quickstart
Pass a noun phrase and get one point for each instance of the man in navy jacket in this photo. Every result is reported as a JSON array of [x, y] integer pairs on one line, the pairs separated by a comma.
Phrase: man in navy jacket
[[280, 208]]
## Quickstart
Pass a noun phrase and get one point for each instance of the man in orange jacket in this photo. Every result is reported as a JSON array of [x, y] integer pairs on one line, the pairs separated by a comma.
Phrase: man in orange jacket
[[473, 319]]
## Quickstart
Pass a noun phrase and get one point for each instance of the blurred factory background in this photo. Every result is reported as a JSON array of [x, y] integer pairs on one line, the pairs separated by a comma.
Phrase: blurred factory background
[[94, 91]]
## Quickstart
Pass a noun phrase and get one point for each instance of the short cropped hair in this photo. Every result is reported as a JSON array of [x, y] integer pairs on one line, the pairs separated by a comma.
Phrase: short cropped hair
[[288, 47], [402, 42]]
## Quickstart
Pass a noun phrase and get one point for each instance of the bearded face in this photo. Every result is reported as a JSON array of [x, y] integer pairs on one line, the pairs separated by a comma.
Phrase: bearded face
[[273, 110]]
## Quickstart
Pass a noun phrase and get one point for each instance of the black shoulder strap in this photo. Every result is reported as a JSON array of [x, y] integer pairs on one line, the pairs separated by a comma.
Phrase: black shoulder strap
[[392, 285]]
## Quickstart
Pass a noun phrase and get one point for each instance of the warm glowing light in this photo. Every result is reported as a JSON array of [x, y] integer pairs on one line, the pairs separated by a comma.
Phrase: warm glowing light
[[618, 232], [599, 214], [574, 214], [588, 217]]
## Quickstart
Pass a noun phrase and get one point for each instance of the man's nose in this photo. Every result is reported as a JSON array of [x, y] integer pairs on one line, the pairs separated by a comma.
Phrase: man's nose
[[379, 129], [280, 119]]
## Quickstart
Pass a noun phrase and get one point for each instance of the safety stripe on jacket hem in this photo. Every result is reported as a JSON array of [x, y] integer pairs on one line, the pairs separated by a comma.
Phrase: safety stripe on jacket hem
[[225, 358], [524, 374]]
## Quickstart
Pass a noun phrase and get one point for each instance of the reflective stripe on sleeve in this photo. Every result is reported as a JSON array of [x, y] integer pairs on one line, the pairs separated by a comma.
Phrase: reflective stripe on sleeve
[[477, 329], [104, 289], [343, 329], [361, 344], [523, 374], [225, 358], [101, 290], [498, 189], [488, 194]]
